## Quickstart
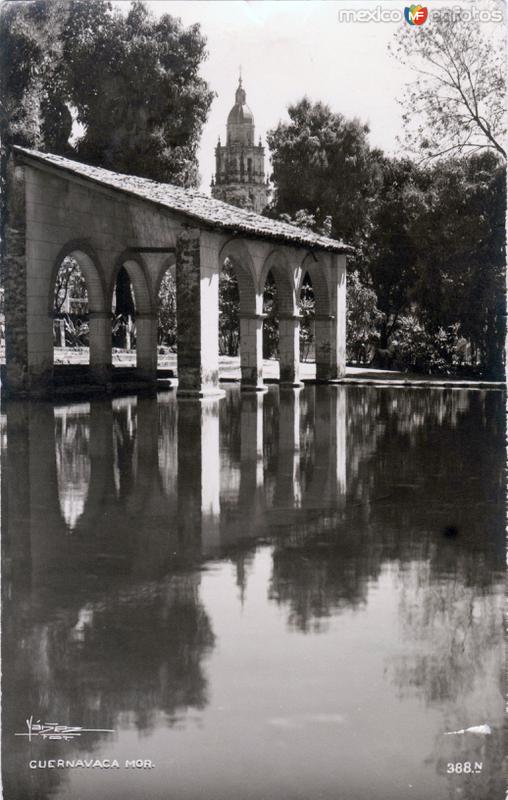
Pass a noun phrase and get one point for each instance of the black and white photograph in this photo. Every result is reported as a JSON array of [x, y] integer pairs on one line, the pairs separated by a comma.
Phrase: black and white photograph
[[253, 399]]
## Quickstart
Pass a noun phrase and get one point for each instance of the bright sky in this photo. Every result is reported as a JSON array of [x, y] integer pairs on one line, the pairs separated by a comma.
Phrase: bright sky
[[287, 49], [291, 48]]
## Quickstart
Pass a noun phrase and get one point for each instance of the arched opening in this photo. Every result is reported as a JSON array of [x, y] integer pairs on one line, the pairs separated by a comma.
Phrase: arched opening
[[70, 314], [166, 319], [134, 328], [240, 319], [281, 325], [229, 310], [318, 322], [271, 323], [123, 330], [307, 306], [77, 307]]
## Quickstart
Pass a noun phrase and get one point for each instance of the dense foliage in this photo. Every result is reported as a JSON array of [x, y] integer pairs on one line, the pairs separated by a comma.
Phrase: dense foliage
[[426, 285], [129, 82]]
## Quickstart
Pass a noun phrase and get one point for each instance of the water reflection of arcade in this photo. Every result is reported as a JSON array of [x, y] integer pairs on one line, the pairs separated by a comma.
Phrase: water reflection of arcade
[[109, 507], [139, 482]]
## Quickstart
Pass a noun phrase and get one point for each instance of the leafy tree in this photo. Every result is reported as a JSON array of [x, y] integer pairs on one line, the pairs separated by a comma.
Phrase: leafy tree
[[323, 168], [271, 323], [131, 81], [70, 282], [135, 84], [363, 320], [460, 244], [456, 103], [307, 306], [229, 311], [34, 93], [389, 253], [167, 311]]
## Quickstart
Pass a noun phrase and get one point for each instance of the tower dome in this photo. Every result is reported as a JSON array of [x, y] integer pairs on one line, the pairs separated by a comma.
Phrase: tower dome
[[240, 124], [240, 164], [240, 112]]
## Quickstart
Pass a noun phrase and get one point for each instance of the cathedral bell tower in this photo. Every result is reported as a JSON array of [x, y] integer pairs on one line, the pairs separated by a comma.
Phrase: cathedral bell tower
[[240, 164]]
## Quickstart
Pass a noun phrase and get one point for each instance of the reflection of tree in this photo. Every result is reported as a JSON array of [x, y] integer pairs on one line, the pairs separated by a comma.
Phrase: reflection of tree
[[402, 494], [139, 651], [119, 660], [455, 663], [316, 581], [455, 625]]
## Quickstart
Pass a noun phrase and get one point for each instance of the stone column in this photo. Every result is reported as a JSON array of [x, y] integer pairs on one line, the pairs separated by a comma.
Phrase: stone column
[[146, 347], [330, 329], [100, 346], [29, 326], [251, 351], [289, 349], [197, 311]]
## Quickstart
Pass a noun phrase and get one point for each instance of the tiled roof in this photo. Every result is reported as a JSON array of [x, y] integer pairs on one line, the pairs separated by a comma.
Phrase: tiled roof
[[193, 204]]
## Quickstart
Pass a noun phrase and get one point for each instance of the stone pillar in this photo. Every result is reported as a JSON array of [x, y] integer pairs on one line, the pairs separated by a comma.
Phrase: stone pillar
[[197, 311], [198, 475], [100, 346], [330, 329], [289, 349], [29, 326], [146, 347], [251, 351]]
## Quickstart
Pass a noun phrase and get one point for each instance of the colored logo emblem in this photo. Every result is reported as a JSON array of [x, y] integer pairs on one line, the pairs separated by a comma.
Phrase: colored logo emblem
[[416, 15]]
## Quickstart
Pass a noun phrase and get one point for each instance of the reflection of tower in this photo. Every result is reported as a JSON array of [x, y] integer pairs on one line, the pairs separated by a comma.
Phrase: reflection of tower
[[240, 164]]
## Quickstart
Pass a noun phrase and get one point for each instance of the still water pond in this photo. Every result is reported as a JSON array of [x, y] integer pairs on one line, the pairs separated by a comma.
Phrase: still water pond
[[289, 596]]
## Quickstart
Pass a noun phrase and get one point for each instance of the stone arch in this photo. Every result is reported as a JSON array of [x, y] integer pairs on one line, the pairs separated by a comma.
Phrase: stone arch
[[312, 265], [237, 251], [92, 270], [139, 278], [278, 264], [168, 263]]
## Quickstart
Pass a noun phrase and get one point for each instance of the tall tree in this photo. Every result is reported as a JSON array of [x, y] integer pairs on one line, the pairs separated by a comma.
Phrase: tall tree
[[34, 109], [389, 257], [135, 84], [130, 80], [455, 103], [323, 165], [459, 241]]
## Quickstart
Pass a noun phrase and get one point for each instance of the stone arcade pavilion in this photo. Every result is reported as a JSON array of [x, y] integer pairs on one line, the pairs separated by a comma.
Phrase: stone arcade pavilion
[[105, 220]]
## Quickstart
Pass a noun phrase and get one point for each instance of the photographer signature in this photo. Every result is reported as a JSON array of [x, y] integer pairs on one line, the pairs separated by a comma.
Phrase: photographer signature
[[52, 730]]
